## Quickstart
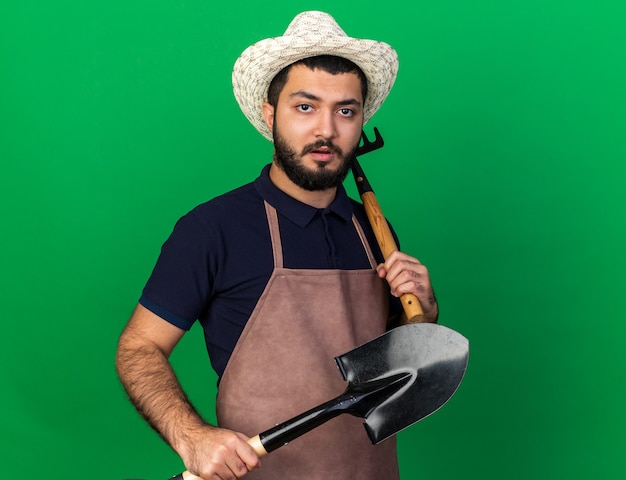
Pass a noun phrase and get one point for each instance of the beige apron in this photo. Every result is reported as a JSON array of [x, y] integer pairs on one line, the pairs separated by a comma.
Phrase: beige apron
[[283, 364]]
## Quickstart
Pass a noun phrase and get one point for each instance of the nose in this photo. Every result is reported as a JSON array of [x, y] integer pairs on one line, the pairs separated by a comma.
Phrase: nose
[[325, 126]]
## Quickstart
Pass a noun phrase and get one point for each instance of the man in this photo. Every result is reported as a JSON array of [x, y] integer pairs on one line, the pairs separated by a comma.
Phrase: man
[[283, 273]]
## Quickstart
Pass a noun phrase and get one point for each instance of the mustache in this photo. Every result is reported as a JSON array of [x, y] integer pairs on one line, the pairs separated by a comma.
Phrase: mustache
[[322, 143]]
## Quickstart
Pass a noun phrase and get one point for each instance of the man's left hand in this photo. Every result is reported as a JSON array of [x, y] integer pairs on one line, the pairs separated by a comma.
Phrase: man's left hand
[[406, 274]]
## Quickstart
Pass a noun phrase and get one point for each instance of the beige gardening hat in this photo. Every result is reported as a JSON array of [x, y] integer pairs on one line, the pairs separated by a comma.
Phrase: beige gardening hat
[[310, 34]]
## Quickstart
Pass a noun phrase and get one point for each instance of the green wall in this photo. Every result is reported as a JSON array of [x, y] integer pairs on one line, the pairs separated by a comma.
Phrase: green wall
[[503, 171]]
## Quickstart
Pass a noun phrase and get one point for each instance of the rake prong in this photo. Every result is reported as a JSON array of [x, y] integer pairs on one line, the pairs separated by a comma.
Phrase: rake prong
[[369, 146]]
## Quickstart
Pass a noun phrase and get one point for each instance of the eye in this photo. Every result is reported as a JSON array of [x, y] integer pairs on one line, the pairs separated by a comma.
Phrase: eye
[[304, 107], [346, 112]]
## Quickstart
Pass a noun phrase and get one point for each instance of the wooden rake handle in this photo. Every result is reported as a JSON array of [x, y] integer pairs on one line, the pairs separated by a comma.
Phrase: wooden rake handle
[[386, 242]]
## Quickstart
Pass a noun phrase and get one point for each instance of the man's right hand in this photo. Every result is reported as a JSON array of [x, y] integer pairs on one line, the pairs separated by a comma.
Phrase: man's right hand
[[213, 453]]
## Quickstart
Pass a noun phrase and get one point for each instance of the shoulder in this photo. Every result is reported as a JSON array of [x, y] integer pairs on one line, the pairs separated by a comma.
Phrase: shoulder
[[237, 206], [218, 230]]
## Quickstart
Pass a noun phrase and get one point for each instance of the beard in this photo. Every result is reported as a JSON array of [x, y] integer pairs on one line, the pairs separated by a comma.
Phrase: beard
[[317, 179]]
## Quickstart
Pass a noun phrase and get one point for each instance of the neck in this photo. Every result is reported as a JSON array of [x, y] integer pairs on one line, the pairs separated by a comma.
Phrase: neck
[[317, 199]]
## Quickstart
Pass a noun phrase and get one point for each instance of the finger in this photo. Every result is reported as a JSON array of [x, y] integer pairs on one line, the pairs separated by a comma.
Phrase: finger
[[416, 282], [398, 256], [405, 271], [248, 457], [237, 468], [220, 468]]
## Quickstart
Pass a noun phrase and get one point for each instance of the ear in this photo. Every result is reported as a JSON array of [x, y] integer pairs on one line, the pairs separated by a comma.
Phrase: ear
[[268, 115]]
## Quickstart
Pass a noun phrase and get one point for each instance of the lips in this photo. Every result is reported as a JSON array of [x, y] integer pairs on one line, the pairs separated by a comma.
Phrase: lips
[[323, 151], [318, 149], [322, 154]]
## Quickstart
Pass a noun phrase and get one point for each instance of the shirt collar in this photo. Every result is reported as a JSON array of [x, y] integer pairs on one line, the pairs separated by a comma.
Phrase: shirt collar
[[300, 213]]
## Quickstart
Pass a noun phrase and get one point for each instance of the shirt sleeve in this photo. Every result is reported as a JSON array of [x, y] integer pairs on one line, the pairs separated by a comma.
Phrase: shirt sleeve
[[179, 287]]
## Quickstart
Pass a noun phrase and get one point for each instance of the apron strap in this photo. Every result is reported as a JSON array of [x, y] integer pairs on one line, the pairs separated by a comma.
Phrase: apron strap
[[366, 245], [277, 246]]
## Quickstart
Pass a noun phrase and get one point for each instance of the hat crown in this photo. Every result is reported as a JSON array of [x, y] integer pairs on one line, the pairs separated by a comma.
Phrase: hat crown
[[313, 23]]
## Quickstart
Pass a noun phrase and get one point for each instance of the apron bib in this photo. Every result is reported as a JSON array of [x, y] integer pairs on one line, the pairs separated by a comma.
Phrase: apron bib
[[283, 364]]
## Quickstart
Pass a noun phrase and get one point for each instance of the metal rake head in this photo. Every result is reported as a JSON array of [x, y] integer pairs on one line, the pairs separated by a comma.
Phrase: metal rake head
[[368, 145]]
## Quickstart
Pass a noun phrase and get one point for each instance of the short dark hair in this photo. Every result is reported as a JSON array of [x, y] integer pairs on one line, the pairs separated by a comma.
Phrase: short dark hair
[[328, 63]]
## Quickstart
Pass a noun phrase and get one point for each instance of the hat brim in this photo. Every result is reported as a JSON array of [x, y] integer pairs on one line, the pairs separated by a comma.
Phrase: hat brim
[[259, 64]]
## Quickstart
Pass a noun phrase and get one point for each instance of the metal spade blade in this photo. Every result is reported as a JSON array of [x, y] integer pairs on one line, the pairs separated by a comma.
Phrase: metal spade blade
[[435, 356]]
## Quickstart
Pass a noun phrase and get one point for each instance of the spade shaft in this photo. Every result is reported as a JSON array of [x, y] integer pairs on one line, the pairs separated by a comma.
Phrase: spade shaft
[[357, 400]]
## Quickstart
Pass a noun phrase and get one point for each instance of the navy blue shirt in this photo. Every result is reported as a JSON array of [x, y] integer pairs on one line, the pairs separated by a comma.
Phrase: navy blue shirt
[[218, 260]]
